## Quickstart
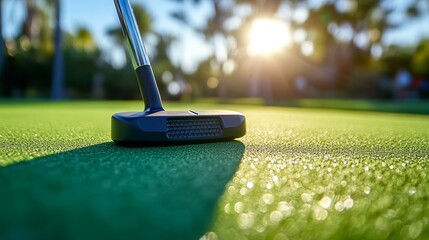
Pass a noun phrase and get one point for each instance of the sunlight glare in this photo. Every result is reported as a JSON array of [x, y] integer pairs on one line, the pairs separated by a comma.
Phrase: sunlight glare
[[268, 36]]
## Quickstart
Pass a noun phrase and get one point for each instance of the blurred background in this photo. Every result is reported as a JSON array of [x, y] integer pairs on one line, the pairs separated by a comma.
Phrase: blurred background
[[264, 49]]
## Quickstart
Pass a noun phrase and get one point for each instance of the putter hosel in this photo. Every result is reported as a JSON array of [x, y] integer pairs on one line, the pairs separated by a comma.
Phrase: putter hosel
[[148, 89]]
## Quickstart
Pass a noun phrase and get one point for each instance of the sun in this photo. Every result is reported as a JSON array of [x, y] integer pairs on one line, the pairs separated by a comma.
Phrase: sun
[[268, 36]]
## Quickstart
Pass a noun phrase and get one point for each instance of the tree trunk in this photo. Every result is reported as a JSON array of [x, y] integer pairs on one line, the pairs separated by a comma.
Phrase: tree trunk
[[2, 44], [57, 90]]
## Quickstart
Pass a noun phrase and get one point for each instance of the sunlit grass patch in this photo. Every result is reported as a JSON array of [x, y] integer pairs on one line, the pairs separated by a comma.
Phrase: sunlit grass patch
[[304, 173]]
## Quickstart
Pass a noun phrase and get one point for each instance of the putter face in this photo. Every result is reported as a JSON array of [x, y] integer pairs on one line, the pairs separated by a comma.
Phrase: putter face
[[154, 124]]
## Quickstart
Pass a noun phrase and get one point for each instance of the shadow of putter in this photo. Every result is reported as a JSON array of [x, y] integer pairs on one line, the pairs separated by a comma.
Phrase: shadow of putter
[[111, 192]]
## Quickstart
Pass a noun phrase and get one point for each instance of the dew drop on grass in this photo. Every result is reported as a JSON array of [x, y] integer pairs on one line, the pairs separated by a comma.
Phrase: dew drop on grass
[[243, 180], [391, 213], [243, 191], [415, 229], [268, 198], [246, 220], [276, 216], [209, 236], [260, 228], [249, 185], [379, 176], [262, 207], [306, 197], [348, 203], [231, 189], [367, 190], [339, 206], [280, 236], [320, 213], [285, 208], [325, 202], [412, 190], [227, 208], [275, 178], [238, 207]]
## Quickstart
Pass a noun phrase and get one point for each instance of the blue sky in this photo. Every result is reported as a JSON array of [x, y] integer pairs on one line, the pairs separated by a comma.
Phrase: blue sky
[[100, 15]]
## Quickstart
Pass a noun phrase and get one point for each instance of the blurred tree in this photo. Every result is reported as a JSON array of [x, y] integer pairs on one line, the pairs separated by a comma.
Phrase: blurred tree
[[30, 53], [23, 54], [343, 34], [217, 33], [57, 89], [396, 57], [162, 65], [30, 62], [83, 60], [2, 43], [30, 26], [420, 60]]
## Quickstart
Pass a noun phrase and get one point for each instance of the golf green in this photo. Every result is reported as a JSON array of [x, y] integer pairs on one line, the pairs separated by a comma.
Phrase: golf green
[[297, 174]]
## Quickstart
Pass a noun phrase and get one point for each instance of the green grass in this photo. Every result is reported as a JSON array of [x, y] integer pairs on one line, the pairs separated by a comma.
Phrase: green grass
[[400, 106], [403, 106], [297, 174]]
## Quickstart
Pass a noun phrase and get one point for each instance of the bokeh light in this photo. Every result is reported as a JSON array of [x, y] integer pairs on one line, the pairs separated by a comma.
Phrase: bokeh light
[[212, 82]]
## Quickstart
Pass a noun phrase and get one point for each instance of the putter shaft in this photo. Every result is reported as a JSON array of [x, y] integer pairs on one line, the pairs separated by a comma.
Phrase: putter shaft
[[146, 80], [132, 33]]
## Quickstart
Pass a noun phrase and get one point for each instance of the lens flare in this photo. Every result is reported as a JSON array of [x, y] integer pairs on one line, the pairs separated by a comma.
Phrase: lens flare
[[268, 36]]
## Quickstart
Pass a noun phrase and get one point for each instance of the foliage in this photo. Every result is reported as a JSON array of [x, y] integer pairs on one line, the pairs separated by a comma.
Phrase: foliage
[[29, 61], [420, 60], [342, 34]]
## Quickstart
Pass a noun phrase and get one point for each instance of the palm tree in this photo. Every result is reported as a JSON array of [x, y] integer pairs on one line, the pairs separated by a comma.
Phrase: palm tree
[[57, 89], [2, 46]]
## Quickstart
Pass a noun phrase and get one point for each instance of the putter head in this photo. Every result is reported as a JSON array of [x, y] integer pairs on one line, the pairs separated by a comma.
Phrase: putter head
[[177, 126], [154, 124]]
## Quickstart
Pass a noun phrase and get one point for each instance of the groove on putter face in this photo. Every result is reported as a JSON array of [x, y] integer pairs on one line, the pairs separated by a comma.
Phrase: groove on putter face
[[154, 124]]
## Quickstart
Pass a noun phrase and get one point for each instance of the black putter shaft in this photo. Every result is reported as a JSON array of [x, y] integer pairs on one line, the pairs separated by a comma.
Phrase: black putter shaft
[[139, 58]]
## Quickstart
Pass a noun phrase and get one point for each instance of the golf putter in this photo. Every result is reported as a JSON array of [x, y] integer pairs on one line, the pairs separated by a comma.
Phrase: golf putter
[[154, 124]]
